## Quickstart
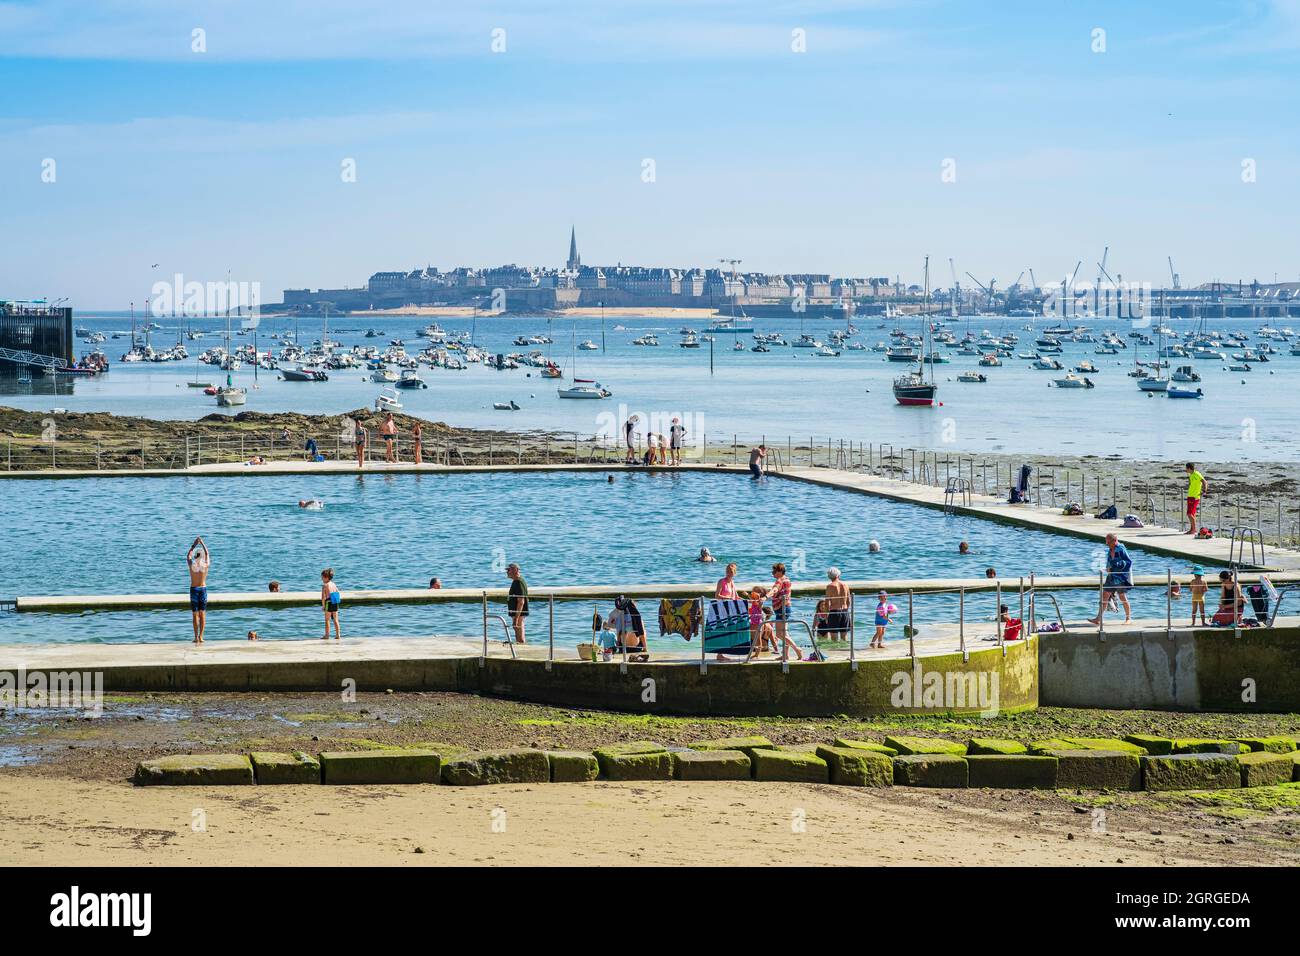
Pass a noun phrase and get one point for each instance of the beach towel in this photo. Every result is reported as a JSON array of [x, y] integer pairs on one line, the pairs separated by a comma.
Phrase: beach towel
[[726, 627], [679, 617]]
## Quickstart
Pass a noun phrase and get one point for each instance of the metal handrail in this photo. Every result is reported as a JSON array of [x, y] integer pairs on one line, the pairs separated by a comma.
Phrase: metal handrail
[[509, 640]]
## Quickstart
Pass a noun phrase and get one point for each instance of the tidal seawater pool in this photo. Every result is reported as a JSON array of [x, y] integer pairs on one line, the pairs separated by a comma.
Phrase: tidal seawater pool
[[130, 535]]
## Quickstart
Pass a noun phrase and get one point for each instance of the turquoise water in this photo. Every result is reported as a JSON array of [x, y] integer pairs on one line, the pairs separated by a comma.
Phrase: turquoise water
[[397, 531], [785, 392]]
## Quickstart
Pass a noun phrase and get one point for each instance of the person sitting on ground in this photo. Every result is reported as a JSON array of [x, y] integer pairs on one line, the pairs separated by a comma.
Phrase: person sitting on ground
[[274, 587], [706, 556], [1230, 610], [309, 449], [257, 460], [1011, 626], [819, 618], [767, 636], [626, 621]]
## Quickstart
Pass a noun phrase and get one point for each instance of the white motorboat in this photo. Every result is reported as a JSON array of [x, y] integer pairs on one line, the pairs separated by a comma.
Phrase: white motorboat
[[587, 345], [1185, 373], [972, 377], [411, 379], [384, 376], [509, 406], [990, 361], [387, 401], [1072, 381], [1153, 384]]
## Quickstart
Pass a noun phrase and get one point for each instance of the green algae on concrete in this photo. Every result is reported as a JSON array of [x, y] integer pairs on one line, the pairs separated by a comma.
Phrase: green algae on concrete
[[866, 745], [1194, 771], [380, 766], [516, 765], [572, 766], [1107, 743], [1083, 769], [711, 764], [1295, 759], [924, 745], [1016, 772], [1280, 744], [1156, 746], [1206, 745], [195, 770], [994, 746], [279, 768], [636, 760], [1263, 769], [746, 745], [948, 771], [855, 767], [790, 766]]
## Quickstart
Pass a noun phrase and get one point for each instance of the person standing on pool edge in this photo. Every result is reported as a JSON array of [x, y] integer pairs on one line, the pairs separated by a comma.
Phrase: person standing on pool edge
[[1196, 485], [517, 604], [360, 436], [756, 461], [330, 599], [199, 560]]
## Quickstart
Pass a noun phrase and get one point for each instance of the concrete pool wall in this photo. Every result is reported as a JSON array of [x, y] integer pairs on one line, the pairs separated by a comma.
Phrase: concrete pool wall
[[1208, 669]]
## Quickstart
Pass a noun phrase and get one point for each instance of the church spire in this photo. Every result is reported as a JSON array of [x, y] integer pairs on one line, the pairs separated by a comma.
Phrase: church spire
[[574, 262]]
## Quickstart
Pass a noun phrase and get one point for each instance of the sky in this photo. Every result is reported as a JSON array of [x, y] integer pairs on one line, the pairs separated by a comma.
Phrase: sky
[[155, 137]]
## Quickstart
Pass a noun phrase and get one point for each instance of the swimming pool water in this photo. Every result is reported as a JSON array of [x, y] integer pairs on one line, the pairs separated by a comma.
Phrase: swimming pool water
[[116, 535]]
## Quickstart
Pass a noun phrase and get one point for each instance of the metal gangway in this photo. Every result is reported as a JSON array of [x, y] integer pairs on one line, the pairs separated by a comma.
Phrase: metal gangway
[[22, 357]]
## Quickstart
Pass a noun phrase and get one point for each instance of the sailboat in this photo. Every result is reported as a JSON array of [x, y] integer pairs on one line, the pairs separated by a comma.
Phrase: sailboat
[[911, 388], [581, 387], [230, 394], [1156, 383]]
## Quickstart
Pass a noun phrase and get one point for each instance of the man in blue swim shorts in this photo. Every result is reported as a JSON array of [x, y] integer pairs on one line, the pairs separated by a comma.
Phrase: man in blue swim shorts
[[199, 561]]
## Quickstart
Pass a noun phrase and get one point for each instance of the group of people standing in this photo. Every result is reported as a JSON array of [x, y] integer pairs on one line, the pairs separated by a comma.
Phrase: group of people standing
[[387, 434], [660, 449]]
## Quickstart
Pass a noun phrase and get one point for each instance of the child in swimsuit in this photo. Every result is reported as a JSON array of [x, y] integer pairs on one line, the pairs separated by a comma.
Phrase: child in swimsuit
[[330, 598], [1198, 588], [883, 611], [756, 610]]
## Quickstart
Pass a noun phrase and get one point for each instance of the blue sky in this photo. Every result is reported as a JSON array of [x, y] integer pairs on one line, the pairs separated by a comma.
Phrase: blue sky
[[828, 160]]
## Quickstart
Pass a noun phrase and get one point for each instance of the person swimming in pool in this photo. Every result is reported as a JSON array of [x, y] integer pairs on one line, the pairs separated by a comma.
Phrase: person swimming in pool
[[311, 504], [199, 560]]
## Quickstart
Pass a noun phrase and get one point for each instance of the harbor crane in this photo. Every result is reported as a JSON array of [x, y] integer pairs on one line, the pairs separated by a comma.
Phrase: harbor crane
[[986, 289], [1172, 274]]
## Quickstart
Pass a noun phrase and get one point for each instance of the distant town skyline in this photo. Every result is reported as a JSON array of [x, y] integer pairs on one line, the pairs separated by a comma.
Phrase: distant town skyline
[[298, 145]]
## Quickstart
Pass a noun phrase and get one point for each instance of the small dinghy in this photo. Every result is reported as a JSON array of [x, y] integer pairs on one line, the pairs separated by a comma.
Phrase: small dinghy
[[505, 406]]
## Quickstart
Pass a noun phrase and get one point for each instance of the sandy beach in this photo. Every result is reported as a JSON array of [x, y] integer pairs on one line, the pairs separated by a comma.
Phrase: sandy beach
[[65, 822]]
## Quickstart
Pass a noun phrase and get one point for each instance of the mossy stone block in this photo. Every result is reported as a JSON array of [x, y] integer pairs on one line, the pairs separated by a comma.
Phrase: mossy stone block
[[790, 766], [572, 766], [1197, 771], [948, 771], [195, 770], [516, 765], [275, 768], [1273, 745], [1156, 746], [1051, 744], [712, 765], [925, 745], [854, 767], [1206, 745], [380, 766], [746, 745], [866, 745], [1107, 743], [994, 745], [632, 747], [635, 762], [1098, 769], [1259, 768], [1014, 772], [808, 747]]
